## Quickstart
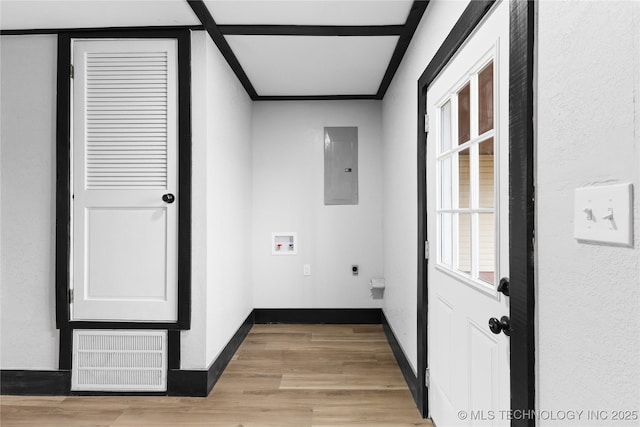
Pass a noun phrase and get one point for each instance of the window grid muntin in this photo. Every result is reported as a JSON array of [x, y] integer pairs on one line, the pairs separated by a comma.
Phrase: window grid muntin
[[452, 153]]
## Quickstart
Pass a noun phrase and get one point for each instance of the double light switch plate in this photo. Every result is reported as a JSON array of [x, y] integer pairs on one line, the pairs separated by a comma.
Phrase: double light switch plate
[[604, 214]]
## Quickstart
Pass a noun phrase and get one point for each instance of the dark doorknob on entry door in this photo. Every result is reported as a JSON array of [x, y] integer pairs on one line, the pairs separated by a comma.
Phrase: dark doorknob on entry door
[[168, 198], [503, 287], [503, 325]]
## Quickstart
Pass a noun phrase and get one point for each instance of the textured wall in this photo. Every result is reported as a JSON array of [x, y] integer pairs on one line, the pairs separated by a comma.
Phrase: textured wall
[[588, 296], [229, 185], [221, 204], [221, 193], [288, 195], [400, 215], [27, 200]]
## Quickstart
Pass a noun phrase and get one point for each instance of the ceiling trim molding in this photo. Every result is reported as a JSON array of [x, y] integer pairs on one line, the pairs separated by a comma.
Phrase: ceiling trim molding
[[405, 33], [29, 31], [415, 15], [217, 33], [316, 97], [312, 30], [203, 14]]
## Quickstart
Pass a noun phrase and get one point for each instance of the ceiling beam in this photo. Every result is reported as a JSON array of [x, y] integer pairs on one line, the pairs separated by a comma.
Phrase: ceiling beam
[[203, 14], [415, 15], [405, 33], [33, 31], [314, 97], [312, 30]]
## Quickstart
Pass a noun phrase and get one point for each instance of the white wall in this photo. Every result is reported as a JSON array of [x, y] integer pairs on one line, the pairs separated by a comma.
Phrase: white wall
[[221, 204], [288, 195], [588, 296], [229, 298], [194, 341], [221, 174], [27, 200], [399, 112]]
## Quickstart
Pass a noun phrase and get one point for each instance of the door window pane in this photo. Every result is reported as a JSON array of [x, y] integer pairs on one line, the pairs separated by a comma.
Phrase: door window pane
[[486, 167], [485, 99], [487, 247], [464, 179], [445, 141], [464, 114], [467, 169], [445, 183], [464, 243], [446, 243]]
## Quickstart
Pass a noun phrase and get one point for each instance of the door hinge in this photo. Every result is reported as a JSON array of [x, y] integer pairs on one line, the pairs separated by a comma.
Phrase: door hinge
[[427, 379], [71, 72], [426, 123], [426, 250], [70, 296]]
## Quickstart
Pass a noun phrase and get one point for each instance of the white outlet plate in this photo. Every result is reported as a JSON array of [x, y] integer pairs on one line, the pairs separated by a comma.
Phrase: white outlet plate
[[592, 207], [306, 269]]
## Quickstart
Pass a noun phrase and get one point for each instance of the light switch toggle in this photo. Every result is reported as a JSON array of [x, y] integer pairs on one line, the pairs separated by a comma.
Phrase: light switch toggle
[[589, 213], [612, 221]]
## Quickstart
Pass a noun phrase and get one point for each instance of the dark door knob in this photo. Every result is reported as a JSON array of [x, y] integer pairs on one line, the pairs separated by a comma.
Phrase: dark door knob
[[168, 198], [503, 325], [504, 286]]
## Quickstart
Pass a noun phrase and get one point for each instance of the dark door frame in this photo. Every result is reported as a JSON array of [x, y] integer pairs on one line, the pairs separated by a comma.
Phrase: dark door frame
[[521, 197], [63, 191]]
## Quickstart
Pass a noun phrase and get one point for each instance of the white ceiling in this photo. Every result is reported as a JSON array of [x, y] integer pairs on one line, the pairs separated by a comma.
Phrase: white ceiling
[[275, 65], [309, 12], [45, 14], [302, 65]]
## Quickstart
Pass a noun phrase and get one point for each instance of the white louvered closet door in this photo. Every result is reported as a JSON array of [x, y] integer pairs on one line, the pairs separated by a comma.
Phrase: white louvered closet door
[[124, 156]]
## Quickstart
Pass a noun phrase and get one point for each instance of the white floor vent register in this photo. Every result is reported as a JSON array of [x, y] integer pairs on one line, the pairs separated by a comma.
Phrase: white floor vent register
[[125, 360]]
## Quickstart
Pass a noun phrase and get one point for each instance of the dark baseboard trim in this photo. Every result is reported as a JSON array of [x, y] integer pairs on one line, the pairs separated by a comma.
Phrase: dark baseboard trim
[[219, 365], [200, 383], [336, 316], [35, 383], [51, 383], [401, 358], [179, 382]]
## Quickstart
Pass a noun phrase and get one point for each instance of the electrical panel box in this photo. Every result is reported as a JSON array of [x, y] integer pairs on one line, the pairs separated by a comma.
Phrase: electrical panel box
[[341, 165]]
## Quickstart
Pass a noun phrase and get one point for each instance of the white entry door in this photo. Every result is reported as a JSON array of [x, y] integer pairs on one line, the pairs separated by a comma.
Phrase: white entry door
[[125, 200], [468, 218]]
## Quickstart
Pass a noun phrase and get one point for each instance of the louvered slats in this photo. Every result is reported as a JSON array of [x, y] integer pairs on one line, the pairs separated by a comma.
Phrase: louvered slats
[[119, 360], [126, 104]]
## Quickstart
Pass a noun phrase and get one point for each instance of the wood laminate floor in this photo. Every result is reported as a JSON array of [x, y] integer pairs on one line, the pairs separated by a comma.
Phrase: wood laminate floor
[[282, 375]]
